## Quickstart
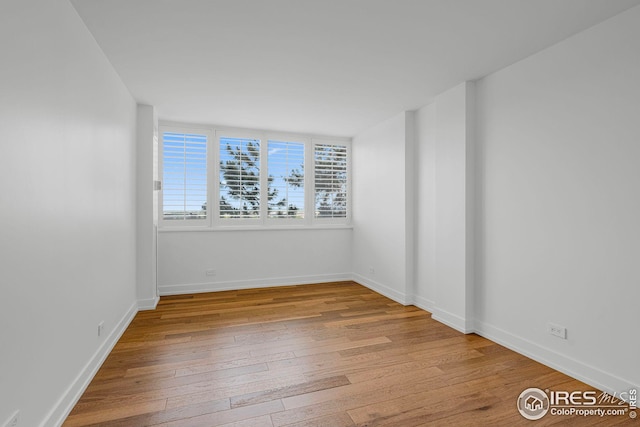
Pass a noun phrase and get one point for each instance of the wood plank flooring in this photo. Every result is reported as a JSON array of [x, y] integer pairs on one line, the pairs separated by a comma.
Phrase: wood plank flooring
[[331, 355]]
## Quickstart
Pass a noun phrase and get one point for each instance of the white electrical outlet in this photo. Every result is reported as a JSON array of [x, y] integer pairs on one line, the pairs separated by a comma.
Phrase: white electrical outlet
[[14, 420], [100, 328], [558, 331], [210, 272]]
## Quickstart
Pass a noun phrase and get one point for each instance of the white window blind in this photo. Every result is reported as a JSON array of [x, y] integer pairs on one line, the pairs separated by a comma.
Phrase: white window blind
[[239, 178], [330, 173], [184, 166], [285, 165]]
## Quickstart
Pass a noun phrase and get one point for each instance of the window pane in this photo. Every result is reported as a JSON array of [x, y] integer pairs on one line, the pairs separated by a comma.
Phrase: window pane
[[184, 196], [330, 162], [239, 178], [285, 163]]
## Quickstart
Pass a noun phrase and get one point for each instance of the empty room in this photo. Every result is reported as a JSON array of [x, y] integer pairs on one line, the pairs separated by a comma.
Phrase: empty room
[[319, 212]]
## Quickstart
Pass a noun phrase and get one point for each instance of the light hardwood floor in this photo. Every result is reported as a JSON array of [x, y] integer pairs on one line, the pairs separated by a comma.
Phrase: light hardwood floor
[[329, 355]]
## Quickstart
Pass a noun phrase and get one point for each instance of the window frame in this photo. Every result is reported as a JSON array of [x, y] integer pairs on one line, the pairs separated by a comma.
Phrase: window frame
[[213, 222]]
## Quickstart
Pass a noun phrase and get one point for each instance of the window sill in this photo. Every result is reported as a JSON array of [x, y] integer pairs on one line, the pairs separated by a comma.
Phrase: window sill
[[255, 228]]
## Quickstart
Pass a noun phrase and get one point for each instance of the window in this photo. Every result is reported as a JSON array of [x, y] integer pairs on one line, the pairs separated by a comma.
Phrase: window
[[285, 163], [239, 193], [255, 179], [330, 163], [184, 175]]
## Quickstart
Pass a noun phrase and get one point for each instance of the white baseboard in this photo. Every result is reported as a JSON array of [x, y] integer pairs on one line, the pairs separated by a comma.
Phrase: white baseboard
[[148, 304], [382, 289], [574, 368], [452, 320], [192, 288], [70, 397], [423, 303]]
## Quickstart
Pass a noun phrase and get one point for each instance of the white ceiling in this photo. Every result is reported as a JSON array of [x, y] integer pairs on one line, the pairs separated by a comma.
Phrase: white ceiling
[[332, 67]]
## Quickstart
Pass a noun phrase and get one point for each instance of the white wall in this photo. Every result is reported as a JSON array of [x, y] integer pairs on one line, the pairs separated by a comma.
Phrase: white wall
[[250, 258], [425, 202], [381, 221], [146, 205], [67, 208], [454, 197], [444, 178], [559, 202]]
